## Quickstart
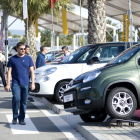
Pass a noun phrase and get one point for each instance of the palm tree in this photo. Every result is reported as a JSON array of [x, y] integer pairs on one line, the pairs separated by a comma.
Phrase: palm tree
[[36, 8], [96, 21]]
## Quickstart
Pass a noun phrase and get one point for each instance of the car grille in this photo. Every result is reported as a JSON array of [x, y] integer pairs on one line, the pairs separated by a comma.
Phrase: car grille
[[37, 88], [71, 103]]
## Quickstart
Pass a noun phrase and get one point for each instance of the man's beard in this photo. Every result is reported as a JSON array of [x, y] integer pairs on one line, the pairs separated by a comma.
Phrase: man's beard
[[20, 54]]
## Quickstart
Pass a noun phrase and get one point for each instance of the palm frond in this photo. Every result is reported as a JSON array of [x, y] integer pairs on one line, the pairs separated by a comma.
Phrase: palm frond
[[36, 8]]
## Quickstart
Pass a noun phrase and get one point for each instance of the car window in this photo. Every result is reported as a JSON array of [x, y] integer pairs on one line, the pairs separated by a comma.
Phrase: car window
[[53, 58], [75, 55], [86, 56], [126, 55], [106, 54]]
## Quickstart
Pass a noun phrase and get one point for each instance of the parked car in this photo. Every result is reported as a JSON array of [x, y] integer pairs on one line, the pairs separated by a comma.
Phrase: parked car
[[50, 53], [54, 57], [52, 79], [113, 89]]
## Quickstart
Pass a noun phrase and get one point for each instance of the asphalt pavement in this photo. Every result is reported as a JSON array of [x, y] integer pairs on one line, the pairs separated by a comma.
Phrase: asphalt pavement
[[41, 123]]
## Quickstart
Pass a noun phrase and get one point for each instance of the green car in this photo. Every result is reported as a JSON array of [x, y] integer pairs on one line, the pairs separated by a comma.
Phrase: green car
[[112, 90]]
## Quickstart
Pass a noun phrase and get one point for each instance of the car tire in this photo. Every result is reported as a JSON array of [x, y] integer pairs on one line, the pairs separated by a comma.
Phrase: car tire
[[100, 117], [121, 103], [62, 85]]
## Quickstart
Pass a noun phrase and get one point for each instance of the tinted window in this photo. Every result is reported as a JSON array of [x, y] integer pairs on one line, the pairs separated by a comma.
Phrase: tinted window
[[75, 55], [86, 56], [106, 54], [126, 55]]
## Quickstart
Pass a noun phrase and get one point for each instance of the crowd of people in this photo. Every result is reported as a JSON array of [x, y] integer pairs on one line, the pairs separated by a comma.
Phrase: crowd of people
[[21, 68]]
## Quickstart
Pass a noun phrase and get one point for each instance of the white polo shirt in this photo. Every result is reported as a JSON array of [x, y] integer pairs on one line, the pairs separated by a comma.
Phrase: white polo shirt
[[2, 57]]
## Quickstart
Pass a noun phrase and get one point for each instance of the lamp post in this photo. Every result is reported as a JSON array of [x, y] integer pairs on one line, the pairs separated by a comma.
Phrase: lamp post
[[82, 30], [131, 24], [6, 35]]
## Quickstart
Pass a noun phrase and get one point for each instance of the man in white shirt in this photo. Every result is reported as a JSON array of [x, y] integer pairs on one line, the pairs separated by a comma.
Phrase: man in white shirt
[[65, 51], [2, 57]]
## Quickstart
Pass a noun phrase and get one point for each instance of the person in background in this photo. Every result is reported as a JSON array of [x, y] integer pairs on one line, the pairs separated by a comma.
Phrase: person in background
[[19, 66], [2, 74], [65, 51], [2, 58], [27, 52], [40, 61]]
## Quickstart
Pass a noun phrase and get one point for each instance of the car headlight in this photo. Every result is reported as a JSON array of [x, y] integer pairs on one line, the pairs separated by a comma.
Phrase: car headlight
[[44, 79], [91, 76], [49, 71]]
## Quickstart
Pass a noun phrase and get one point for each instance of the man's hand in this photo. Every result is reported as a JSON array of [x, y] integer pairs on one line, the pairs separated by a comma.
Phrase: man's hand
[[32, 87], [7, 88]]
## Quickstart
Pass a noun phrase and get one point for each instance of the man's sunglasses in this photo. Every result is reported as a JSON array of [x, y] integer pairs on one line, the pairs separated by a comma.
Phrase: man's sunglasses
[[22, 48]]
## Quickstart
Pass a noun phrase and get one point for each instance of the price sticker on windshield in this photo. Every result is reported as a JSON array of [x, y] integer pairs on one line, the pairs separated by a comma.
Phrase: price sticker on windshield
[[68, 98]]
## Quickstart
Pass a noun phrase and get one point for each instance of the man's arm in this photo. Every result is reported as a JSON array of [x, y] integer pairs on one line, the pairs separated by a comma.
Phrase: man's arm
[[7, 88], [32, 78]]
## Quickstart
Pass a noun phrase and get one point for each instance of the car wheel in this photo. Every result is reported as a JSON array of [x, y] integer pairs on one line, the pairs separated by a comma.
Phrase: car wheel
[[59, 92], [121, 103], [100, 117]]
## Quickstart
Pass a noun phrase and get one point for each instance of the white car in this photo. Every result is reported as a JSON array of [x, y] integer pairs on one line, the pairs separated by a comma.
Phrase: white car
[[52, 79]]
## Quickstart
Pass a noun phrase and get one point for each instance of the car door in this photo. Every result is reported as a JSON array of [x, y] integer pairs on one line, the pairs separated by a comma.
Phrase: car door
[[105, 55]]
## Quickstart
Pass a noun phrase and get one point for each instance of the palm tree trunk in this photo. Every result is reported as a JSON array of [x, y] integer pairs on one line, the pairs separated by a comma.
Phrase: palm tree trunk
[[96, 21], [31, 39]]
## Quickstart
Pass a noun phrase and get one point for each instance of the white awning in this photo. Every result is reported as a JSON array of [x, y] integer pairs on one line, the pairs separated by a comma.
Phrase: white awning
[[73, 20], [117, 8]]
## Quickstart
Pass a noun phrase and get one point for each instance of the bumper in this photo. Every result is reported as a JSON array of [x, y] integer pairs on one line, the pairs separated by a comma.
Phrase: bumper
[[78, 103], [43, 89]]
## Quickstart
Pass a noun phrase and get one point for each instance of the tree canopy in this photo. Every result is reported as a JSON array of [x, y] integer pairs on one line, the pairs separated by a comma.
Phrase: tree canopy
[[36, 8]]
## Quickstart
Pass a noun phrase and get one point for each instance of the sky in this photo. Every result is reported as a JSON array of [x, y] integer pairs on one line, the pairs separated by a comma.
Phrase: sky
[[19, 24]]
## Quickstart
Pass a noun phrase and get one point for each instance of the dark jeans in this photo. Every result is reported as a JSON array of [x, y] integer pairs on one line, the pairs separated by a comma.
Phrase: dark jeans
[[20, 96]]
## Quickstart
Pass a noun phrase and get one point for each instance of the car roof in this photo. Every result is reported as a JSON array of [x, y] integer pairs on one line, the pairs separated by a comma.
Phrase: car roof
[[109, 43]]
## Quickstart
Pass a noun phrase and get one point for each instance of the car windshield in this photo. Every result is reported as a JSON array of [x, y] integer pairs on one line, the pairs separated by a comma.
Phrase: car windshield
[[75, 55], [54, 57], [126, 55]]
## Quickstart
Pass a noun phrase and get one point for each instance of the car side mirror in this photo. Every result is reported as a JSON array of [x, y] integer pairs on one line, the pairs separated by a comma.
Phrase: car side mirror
[[139, 61], [93, 60]]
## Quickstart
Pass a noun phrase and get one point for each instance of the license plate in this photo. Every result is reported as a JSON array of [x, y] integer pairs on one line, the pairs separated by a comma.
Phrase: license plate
[[68, 98]]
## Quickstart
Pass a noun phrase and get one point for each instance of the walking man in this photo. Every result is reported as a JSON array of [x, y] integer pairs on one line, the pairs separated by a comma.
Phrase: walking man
[[2, 74], [20, 65], [40, 61], [27, 52], [2, 58]]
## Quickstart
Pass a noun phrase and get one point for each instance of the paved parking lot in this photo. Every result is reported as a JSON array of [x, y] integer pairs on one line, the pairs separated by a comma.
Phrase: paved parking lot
[[43, 123]]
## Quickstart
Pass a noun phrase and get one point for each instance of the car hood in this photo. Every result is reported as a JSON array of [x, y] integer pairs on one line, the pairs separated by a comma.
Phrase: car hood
[[110, 66], [81, 77], [106, 67], [51, 65]]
